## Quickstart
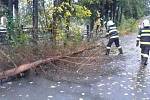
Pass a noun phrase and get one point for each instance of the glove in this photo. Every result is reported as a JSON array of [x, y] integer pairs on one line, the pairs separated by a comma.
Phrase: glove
[[107, 35], [137, 43]]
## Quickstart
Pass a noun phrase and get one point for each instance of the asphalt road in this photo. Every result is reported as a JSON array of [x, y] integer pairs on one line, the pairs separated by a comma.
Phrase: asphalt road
[[127, 81]]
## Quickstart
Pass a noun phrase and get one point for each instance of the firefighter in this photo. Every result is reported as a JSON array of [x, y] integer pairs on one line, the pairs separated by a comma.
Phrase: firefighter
[[143, 39], [112, 34]]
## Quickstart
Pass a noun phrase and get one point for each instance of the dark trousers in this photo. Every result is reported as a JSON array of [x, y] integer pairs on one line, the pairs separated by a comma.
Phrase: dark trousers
[[114, 40], [144, 54]]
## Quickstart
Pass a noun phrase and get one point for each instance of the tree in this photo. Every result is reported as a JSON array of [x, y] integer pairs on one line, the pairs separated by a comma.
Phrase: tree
[[35, 22], [114, 9]]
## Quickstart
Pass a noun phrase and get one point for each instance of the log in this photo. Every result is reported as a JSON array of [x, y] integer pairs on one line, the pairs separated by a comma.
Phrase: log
[[25, 67]]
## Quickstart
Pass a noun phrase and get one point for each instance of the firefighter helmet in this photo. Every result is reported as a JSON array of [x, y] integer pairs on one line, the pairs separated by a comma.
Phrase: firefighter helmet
[[146, 23], [110, 23]]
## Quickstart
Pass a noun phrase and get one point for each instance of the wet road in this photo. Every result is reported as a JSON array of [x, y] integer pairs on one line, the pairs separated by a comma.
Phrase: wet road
[[129, 83]]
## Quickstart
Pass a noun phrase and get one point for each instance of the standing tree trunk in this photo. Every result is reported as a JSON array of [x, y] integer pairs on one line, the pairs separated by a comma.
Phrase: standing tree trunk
[[107, 10], [117, 15], [10, 8], [121, 13], [10, 25], [35, 29], [114, 10], [54, 26], [35, 22], [103, 12], [55, 22], [45, 14], [68, 21], [16, 14], [16, 8]]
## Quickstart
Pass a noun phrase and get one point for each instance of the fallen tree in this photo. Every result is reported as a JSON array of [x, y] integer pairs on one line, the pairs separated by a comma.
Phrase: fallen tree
[[24, 67]]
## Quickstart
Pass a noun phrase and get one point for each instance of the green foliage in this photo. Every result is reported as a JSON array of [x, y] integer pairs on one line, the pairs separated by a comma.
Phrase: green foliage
[[23, 38], [67, 13], [10, 25], [129, 8], [133, 8], [15, 35], [67, 10], [25, 12], [87, 2], [128, 25], [10, 28], [82, 11], [74, 34], [20, 39]]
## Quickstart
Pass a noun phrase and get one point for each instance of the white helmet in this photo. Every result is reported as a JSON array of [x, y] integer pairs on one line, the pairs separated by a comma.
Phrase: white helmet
[[146, 23], [141, 25], [110, 23]]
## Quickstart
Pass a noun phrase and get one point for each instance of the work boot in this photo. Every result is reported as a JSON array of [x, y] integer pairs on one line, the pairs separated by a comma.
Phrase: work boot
[[120, 51], [107, 52], [144, 61]]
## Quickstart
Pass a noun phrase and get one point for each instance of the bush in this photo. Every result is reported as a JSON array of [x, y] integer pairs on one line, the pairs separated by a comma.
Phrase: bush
[[128, 25]]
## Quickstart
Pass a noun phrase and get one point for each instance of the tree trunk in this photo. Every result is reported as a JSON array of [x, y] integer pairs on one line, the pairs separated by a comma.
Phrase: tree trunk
[[10, 25], [16, 8], [114, 10], [46, 21], [121, 13], [16, 14], [103, 12], [68, 22], [10, 8], [35, 29], [117, 15], [35, 22]]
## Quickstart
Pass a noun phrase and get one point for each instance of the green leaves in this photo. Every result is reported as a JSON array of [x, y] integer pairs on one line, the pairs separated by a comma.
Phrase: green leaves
[[133, 8], [82, 11], [72, 10]]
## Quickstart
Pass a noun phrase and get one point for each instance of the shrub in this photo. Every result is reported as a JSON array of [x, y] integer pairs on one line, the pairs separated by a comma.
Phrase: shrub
[[128, 25]]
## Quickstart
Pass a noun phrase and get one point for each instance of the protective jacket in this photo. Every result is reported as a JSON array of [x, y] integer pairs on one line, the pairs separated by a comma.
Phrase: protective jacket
[[112, 32], [144, 37]]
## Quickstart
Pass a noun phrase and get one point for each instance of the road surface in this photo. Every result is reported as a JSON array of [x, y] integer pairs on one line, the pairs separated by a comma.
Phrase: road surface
[[127, 81]]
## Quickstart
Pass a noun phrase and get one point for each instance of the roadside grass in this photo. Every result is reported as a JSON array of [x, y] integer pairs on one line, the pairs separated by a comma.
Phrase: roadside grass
[[128, 26]]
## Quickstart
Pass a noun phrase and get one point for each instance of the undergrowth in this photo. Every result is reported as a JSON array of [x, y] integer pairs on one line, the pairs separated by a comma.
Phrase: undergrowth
[[128, 26]]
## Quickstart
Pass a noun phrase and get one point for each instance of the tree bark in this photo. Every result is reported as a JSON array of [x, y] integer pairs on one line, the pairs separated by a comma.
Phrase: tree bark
[[35, 22], [16, 16], [10, 25], [114, 10], [54, 25], [44, 10], [121, 13], [10, 8], [16, 2]]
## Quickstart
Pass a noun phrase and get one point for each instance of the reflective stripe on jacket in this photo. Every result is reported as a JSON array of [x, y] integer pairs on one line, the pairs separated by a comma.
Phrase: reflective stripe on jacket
[[113, 32], [144, 36]]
